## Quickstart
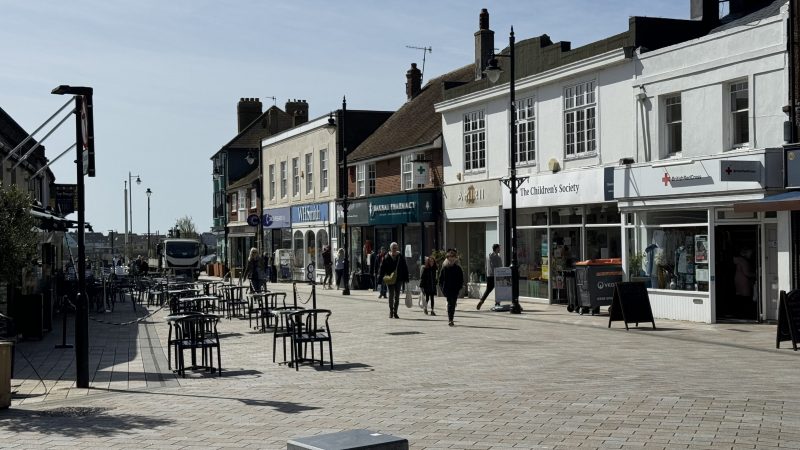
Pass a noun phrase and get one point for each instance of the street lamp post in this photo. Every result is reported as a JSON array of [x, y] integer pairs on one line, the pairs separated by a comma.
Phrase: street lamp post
[[130, 211], [513, 181], [345, 197], [84, 137], [148, 192]]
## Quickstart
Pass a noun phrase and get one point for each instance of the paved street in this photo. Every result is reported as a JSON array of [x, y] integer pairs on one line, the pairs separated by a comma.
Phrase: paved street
[[545, 379]]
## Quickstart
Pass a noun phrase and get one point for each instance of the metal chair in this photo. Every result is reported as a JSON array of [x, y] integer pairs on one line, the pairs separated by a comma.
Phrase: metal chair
[[309, 327]]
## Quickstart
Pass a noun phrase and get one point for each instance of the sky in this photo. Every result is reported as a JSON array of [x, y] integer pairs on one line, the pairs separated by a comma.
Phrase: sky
[[167, 75]]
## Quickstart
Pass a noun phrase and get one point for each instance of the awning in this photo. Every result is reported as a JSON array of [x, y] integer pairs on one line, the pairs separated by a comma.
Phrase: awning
[[786, 201]]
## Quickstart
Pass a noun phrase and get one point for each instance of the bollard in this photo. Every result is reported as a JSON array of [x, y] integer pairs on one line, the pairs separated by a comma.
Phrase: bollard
[[64, 344], [5, 373]]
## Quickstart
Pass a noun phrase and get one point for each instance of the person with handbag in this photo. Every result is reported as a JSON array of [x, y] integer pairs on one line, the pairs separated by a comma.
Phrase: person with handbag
[[451, 280], [427, 283], [394, 273]]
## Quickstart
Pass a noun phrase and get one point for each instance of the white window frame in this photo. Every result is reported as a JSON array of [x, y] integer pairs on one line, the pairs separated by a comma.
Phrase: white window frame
[[361, 180], [474, 132], [407, 170], [309, 173], [295, 176], [580, 120], [283, 179], [234, 202], [272, 181], [253, 198], [735, 87], [323, 170], [242, 211], [671, 122], [525, 128], [372, 174]]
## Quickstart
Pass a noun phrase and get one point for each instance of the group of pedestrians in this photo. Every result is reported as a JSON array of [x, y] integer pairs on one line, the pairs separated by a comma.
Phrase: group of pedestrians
[[328, 264]]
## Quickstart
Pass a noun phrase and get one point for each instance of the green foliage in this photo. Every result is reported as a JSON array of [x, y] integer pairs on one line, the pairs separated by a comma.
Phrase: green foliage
[[17, 235], [635, 264], [186, 226]]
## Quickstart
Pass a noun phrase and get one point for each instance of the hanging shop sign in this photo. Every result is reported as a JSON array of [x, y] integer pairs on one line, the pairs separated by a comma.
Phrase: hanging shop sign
[[402, 208], [278, 218], [315, 212], [65, 199]]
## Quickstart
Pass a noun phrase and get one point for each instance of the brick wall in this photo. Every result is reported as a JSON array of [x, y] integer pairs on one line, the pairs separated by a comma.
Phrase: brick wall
[[388, 174]]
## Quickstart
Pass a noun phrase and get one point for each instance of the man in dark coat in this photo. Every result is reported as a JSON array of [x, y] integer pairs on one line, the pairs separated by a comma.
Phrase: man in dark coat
[[394, 262], [451, 281]]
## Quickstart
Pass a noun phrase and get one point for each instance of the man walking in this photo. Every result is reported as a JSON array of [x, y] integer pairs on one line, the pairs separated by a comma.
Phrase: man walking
[[495, 261]]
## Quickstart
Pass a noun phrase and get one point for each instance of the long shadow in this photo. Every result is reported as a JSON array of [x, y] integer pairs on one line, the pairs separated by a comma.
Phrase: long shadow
[[284, 407], [487, 328], [76, 422]]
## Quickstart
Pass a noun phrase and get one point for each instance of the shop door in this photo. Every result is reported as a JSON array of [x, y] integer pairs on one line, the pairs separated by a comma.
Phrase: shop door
[[737, 268], [770, 272], [565, 251], [384, 237]]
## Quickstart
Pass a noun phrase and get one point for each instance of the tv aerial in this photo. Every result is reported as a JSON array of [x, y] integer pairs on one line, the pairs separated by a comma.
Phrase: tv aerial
[[425, 51]]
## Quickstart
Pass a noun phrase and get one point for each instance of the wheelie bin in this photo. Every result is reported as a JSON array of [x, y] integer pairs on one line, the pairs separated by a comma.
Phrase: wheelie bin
[[595, 280]]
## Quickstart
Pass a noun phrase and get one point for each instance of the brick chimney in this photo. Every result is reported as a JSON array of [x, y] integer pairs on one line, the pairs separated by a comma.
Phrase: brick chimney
[[484, 44], [298, 110], [706, 11], [413, 81], [247, 110]]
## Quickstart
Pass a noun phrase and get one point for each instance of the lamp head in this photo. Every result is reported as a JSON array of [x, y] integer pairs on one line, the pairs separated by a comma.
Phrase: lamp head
[[138, 180], [331, 124], [216, 174], [493, 70], [250, 158], [148, 192]]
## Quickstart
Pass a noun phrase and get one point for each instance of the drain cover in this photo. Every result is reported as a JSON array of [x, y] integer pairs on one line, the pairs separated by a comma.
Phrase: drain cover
[[404, 333]]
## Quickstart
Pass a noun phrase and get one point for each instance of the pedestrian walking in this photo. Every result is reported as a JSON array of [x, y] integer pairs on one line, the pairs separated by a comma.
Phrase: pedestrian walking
[[253, 270], [339, 268], [327, 263], [451, 280], [394, 274], [427, 283], [494, 261], [380, 286]]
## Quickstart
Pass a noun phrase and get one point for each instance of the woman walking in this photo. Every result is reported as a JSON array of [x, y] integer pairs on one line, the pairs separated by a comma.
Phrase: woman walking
[[427, 283], [451, 280], [339, 268], [394, 272], [253, 270], [327, 262]]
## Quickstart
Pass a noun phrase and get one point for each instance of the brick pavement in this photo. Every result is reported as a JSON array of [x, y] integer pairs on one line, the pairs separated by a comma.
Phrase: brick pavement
[[545, 379]]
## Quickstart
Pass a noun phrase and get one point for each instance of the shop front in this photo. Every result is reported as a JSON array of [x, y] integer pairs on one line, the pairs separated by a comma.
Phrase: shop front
[[277, 230], [701, 260], [562, 218], [473, 216], [241, 239], [309, 234]]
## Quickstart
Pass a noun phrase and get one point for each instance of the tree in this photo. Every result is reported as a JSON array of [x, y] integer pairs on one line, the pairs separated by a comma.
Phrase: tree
[[18, 237], [186, 227]]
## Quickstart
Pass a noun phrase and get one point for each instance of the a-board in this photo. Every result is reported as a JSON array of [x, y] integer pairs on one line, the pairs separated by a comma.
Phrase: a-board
[[631, 304]]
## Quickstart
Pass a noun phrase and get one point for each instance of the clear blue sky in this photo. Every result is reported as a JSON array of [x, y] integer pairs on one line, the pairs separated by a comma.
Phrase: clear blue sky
[[167, 74]]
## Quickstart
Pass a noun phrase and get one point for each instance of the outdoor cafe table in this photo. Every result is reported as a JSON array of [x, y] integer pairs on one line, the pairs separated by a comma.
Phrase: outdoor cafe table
[[173, 320], [200, 303]]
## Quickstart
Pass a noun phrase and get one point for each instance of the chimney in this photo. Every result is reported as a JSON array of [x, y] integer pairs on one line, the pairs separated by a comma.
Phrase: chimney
[[484, 44], [247, 110], [298, 111], [706, 11], [413, 81]]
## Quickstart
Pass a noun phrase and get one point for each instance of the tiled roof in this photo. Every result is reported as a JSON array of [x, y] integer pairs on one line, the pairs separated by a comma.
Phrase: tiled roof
[[271, 121], [773, 9], [414, 124]]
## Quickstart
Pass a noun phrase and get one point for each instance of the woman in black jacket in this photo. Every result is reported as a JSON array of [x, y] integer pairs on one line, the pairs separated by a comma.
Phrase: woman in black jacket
[[427, 283], [394, 261], [451, 280]]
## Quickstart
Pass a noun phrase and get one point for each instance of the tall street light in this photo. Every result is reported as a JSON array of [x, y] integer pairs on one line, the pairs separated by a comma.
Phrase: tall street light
[[130, 211], [513, 181], [84, 163], [148, 192], [343, 188]]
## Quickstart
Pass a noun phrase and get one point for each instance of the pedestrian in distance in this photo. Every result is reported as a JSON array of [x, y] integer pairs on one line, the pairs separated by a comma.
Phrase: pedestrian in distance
[[427, 283], [327, 262], [494, 261], [394, 273], [253, 270], [379, 284], [451, 280], [339, 268]]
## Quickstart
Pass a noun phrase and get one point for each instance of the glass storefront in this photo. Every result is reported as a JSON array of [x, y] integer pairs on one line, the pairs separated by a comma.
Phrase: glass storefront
[[469, 239]]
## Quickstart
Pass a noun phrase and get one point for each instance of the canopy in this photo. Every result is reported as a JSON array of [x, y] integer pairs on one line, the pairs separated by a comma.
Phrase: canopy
[[786, 201]]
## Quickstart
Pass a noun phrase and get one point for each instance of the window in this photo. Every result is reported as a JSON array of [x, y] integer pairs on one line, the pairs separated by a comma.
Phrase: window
[[580, 111], [371, 174], [242, 205], [234, 202], [283, 179], [407, 177], [272, 181], [474, 141], [295, 176], [672, 110], [309, 173], [323, 170], [740, 133], [525, 123], [253, 198], [361, 170]]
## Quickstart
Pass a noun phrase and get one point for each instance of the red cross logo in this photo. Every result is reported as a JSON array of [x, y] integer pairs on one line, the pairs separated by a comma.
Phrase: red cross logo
[[728, 170], [665, 180]]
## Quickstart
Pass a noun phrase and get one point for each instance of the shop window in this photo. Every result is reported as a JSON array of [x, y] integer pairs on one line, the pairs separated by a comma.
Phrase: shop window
[[672, 124], [311, 248], [356, 252], [739, 109], [674, 217], [600, 214], [322, 240], [299, 249], [732, 215], [474, 141], [533, 256], [566, 215], [603, 243], [580, 111]]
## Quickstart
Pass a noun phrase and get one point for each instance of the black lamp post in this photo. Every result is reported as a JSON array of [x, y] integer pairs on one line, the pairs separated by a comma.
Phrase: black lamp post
[[148, 192], [513, 181], [84, 163], [345, 197], [130, 211]]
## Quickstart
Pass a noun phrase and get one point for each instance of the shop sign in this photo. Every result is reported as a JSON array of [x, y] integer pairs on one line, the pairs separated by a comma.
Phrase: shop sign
[[421, 169], [277, 218], [562, 188], [403, 208], [65, 199], [315, 212], [357, 213], [740, 171], [472, 195]]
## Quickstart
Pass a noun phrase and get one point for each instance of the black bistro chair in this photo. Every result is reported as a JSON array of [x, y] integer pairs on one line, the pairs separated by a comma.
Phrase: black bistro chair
[[198, 332], [309, 327]]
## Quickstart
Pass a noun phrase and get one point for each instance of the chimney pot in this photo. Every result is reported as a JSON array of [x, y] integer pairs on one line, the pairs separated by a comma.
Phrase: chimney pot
[[413, 81], [484, 44]]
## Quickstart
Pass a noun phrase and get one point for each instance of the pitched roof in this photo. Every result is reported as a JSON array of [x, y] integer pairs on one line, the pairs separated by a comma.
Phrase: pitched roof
[[271, 121], [414, 124], [731, 21]]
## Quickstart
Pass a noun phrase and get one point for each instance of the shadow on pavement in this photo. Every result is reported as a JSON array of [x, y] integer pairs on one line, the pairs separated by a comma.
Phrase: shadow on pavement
[[75, 421]]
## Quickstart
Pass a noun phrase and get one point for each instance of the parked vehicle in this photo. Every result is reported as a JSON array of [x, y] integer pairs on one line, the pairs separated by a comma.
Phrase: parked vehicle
[[181, 256]]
